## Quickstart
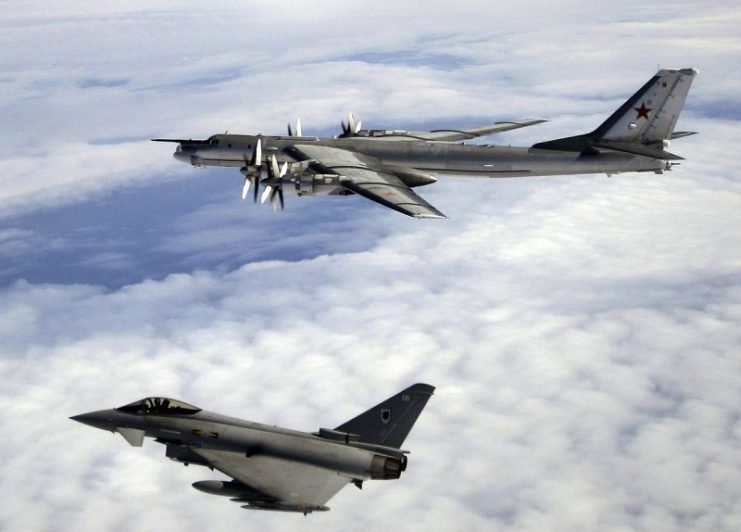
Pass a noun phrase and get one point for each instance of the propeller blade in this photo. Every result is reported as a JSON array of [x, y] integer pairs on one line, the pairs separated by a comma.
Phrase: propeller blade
[[247, 178], [261, 176], [274, 198], [280, 198], [357, 127], [267, 193], [257, 155], [283, 169], [298, 129], [275, 171], [351, 123]]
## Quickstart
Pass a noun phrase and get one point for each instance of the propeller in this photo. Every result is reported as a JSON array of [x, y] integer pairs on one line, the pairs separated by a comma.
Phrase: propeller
[[273, 184], [251, 171], [298, 129], [351, 128]]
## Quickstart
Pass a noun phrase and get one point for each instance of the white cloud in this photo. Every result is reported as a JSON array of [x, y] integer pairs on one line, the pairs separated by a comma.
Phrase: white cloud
[[582, 332], [568, 396]]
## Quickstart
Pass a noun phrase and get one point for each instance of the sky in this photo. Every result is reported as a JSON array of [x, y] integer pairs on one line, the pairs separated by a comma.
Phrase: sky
[[583, 332]]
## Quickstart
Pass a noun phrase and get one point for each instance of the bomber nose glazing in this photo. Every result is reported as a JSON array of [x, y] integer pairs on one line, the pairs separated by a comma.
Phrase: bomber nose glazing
[[182, 155]]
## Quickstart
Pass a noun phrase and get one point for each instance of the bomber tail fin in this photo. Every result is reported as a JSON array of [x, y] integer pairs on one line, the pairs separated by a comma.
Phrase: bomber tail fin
[[644, 124], [389, 422]]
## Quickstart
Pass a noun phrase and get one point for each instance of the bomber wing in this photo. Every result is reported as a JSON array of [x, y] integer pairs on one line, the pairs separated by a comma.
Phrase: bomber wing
[[443, 135], [367, 177], [272, 483], [470, 133]]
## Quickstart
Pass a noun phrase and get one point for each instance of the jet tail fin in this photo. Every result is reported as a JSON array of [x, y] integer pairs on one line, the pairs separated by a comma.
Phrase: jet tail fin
[[644, 124], [389, 422]]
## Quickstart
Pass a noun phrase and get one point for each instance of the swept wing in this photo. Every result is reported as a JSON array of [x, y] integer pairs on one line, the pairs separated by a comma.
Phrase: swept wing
[[471, 133], [277, 483], [443, 135], [367, 177]]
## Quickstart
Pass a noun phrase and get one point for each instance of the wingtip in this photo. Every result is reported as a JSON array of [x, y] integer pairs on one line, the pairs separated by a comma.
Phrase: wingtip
[[429, 216]]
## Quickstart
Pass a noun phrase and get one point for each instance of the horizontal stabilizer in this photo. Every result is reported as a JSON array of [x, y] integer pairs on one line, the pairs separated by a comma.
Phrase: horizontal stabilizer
[[638, 149], [577, 143], [680, 134]]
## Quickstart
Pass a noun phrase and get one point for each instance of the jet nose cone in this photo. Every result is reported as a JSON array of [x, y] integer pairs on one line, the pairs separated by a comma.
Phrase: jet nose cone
[[100, 419]]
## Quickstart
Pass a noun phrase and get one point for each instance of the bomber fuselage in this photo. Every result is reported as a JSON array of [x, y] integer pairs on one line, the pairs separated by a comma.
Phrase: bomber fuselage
[[435, 157]]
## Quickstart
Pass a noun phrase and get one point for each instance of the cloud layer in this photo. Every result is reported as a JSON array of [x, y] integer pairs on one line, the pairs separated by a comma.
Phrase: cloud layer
[[582, 332]]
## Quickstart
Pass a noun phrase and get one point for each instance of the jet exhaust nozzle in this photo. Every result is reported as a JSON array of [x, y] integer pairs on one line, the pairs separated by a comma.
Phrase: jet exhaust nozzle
[[386, 467]]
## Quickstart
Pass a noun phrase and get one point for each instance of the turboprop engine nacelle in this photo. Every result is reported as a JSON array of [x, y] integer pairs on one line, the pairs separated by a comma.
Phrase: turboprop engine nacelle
[[413, 177], [319, 185]]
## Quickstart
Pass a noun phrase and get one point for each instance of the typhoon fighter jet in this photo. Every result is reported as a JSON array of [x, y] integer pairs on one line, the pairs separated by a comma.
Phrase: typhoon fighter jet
[[384, 165], [274, 468]]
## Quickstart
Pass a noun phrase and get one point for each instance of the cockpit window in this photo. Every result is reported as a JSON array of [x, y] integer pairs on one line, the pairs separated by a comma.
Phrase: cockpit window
[[160, 406]]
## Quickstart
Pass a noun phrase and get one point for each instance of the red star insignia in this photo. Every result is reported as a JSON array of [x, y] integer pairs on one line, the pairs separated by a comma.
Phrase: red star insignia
[[642, 111]]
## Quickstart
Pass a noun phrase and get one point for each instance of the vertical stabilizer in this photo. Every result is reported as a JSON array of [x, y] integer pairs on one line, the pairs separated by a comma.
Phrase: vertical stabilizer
[[650, 115], [644, 124], [388, 423]]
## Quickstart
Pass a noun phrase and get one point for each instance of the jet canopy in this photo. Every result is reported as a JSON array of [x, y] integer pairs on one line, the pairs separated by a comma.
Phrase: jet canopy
[[159, 406]]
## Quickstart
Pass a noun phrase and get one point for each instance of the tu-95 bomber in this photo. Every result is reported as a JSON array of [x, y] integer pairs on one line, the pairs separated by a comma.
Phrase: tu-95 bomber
[[386, 165]]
